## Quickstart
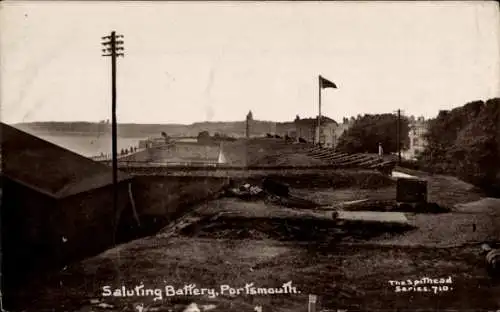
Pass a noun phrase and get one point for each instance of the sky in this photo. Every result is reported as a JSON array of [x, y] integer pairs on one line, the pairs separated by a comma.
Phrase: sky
[[190, 62]]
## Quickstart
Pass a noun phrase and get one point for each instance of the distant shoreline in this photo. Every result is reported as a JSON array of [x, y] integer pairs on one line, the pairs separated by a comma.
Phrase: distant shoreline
[[129, 130], [88, 145], [82, 134]]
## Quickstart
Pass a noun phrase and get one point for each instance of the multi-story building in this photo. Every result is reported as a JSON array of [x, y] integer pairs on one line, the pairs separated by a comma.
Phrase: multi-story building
[[153, 142], [418, 129], [307, 129]]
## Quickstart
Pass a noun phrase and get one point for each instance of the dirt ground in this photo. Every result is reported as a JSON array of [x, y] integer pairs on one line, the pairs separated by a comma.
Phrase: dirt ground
[[235, 242], [343, 276]]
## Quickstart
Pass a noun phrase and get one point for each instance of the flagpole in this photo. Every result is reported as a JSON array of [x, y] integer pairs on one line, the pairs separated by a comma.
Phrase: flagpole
[[319, 116]]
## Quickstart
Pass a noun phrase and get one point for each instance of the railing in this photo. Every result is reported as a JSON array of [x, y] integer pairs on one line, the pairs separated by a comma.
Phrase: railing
[[101, 157], [133, 163], [108, 157], [334, 160]]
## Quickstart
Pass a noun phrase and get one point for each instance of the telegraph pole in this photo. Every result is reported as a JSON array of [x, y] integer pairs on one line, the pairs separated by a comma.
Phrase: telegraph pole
[[399, 136], [113, 48], [319, 111]]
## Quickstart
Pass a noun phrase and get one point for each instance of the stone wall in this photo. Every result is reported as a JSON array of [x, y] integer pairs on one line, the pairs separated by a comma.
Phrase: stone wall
[[160, 199]]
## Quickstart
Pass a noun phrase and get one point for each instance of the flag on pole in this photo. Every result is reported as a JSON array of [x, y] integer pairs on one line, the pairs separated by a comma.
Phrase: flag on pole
[[325, 83]]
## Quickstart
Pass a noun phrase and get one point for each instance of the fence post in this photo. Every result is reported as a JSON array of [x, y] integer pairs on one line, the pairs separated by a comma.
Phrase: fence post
[[312, 303]]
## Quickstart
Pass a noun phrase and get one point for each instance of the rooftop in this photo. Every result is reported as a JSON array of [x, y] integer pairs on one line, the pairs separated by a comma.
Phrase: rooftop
[[49, 168]]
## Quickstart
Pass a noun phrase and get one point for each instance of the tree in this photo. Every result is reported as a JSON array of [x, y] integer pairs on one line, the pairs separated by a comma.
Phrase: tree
[[465, 142], [442, 133], [203, 137], [368, 131]]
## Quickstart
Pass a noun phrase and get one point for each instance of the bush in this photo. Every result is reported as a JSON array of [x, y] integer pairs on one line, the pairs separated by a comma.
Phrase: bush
[[204, 137]]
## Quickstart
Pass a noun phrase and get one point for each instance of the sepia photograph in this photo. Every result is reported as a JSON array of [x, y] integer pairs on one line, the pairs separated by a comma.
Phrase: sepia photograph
[[249, 156]]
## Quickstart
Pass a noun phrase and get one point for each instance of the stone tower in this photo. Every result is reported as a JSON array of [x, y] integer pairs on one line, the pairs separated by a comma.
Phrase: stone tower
[[249, 120]]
